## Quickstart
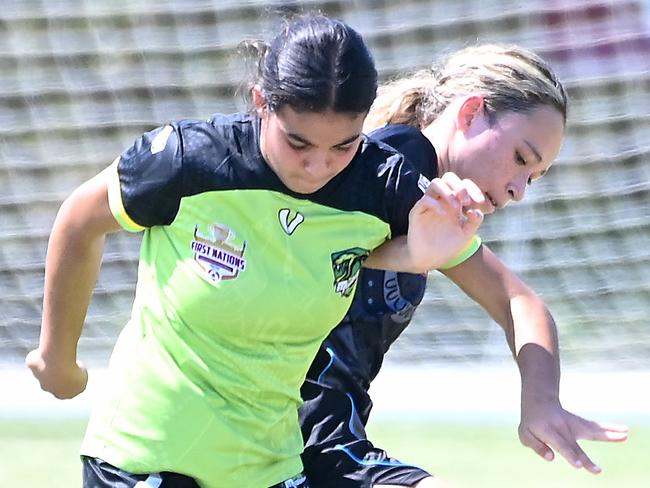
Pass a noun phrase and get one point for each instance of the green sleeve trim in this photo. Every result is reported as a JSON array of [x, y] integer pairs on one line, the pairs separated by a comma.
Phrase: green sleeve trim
[[467, 252], [115, 200]]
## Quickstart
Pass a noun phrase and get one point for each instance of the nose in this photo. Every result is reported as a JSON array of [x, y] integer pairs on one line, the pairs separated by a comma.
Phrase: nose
[[317, 163], [517, 188]]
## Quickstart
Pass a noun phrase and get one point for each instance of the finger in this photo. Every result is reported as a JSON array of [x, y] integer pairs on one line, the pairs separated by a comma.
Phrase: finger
[[469, 221], [617, 434], [474, 219], [580, 459], [440, 190], [552, 439], [596, 431], [614, 427], [458, 187], [568, 448], [467, 191], [474, 192], [453, 180], [428, 203], [529, 440]]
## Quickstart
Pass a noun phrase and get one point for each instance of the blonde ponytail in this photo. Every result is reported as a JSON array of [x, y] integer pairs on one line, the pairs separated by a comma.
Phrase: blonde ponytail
[[400, 102], [509, 78]]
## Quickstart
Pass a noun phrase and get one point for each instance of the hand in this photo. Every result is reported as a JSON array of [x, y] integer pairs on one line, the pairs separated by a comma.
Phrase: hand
[[443, 221], [62, 379], [546, 427], [450, 187]]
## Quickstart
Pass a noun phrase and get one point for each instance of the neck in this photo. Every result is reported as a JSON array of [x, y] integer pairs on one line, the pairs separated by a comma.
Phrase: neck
[[439, 134]]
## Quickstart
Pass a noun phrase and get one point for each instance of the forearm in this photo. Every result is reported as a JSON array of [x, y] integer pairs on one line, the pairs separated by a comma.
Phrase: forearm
[[392, 255], [71, 270], [535, 347], [529, 327], [532, 336]]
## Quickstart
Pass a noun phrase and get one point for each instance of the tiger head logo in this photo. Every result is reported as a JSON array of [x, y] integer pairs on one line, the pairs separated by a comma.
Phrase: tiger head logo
[[346, 266]]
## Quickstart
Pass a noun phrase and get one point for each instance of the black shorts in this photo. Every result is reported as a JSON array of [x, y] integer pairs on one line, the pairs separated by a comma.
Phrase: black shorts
[[100, 474], [337, 452]]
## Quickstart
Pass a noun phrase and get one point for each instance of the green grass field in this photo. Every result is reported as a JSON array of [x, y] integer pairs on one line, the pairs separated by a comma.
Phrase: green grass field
[[492, 457], [44, 454]]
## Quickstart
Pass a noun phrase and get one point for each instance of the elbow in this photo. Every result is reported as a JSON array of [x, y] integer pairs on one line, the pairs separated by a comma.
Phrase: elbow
[[86, 212]]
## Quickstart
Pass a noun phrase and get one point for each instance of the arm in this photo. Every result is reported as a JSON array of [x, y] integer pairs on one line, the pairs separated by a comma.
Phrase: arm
[[71, 269], [532, 337]]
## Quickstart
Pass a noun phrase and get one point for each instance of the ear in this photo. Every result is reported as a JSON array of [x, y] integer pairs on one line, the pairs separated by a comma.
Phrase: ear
[[470, 109], [258, 100]]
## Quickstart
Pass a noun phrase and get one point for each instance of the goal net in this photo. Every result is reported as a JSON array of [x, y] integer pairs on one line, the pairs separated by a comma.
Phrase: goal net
[[81, 79]]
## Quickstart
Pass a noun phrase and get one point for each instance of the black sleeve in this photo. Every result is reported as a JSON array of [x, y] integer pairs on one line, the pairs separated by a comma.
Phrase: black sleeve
[[402, 193], [163, 166], [414, 145], [407, 173], [151, 177]]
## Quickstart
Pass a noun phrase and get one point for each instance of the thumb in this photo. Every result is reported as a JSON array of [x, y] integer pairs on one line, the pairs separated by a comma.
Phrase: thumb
[[34, 361], [474, 219], [83, 375]]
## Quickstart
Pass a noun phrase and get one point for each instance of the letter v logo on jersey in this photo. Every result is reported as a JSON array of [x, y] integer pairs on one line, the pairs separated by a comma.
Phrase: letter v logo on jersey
[[288, 223]]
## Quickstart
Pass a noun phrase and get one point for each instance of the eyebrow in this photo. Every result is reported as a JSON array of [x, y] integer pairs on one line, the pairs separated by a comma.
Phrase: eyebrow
[[301, 139], [535, 151]]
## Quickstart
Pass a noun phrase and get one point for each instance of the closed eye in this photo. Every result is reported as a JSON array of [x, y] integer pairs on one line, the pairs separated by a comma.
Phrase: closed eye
[[301, 147], [297, 147], [520, 159], [344, 148]]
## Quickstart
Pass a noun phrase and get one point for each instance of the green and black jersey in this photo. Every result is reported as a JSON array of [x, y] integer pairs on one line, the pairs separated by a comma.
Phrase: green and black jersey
[[239, 282]]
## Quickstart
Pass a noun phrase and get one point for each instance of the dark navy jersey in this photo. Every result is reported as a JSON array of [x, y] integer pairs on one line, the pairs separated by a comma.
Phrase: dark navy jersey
[[336, 403], [384, 302]]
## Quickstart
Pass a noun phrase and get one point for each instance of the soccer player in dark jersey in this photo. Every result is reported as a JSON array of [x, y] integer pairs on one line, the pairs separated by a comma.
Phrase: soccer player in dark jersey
[[494, 114], [255, 227]]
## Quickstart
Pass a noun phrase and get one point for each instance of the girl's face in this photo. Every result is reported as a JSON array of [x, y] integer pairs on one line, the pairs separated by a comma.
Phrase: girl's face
[[504, 156], [307, 149]]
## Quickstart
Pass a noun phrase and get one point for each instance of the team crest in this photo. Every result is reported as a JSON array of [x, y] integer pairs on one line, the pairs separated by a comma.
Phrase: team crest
[[217, 255], [346, 266]]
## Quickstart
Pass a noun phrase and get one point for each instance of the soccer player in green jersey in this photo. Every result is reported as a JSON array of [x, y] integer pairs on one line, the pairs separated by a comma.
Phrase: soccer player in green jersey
[[255, 227]]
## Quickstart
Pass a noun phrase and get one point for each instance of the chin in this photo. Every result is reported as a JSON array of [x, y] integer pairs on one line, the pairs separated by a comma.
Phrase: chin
[[305, 189]]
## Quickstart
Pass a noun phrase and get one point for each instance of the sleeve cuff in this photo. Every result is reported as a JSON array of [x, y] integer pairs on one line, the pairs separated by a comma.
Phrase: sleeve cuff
[[115, 200]]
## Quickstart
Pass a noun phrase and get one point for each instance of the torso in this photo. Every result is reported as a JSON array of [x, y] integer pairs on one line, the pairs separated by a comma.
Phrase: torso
[[239, 282]]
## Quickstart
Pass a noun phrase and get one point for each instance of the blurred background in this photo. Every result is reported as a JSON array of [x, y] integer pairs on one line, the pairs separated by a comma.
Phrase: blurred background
[[81, 79]]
